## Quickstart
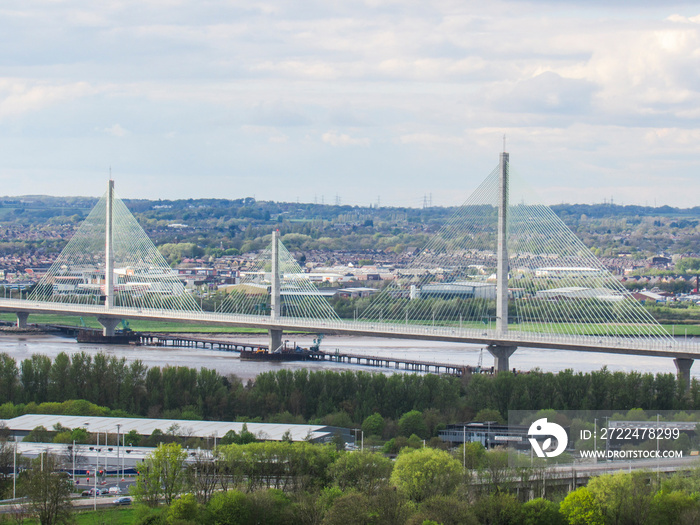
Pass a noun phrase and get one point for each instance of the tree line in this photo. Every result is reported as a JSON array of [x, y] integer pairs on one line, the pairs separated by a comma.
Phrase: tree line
[[40, 385], [301, 483]]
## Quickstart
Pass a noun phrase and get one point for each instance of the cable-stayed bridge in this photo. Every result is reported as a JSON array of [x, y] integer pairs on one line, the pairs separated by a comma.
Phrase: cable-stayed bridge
[[504, 272]]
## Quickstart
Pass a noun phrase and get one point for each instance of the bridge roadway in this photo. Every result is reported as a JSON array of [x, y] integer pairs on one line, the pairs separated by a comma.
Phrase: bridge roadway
[[500, 345]]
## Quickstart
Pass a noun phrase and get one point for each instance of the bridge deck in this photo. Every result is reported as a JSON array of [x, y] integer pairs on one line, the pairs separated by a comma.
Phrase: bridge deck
[[683, 349]]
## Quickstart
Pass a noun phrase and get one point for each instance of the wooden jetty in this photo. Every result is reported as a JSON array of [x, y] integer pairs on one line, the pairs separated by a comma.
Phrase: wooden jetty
[[397, 363], [206, 341]]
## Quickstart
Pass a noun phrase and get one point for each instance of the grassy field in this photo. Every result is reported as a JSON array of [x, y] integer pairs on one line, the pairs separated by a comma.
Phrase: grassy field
[[137, 326], [166, 327], [110, 516], [107, 516]]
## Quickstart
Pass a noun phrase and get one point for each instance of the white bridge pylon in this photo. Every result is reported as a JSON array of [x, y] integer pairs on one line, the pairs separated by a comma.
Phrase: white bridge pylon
[[110, 261]]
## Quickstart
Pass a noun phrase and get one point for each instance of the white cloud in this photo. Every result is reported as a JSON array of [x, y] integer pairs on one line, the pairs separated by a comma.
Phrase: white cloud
[[18, 96], [602, 87], [341, 139], [116, 131]]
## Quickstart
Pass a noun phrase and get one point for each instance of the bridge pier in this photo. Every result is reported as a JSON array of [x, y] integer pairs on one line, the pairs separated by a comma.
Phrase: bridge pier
[[683, 367], [22, 319], [500, 356], [275, 339], [108, 325]]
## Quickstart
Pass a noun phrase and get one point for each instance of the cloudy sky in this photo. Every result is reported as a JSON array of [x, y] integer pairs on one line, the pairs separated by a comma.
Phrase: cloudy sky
[[352, 100]]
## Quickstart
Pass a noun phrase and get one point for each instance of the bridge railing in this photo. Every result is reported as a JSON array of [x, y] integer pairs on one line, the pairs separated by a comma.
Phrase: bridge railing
[[485, 335]]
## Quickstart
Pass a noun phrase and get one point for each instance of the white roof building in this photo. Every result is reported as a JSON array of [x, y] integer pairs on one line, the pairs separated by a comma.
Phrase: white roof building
[[22, 425]]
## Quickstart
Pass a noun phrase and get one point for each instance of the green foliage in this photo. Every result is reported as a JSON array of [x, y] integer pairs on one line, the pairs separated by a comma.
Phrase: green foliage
[[580, 508], [174, 253], [245, 437], [622, 496], [426, 472], [498, 508], [688, 264], [230, 508], [674, 507], [38, 435], [271, 506], [161, 475], [363, 471], [282, 465], [489, 414], [185, 508], [471, 455], [446, 510], [413, 423], [540, 511], [132, 438], [47, 491]]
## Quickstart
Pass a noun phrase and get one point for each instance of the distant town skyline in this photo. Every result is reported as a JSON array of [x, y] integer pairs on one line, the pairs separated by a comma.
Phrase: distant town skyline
[[381, 100]]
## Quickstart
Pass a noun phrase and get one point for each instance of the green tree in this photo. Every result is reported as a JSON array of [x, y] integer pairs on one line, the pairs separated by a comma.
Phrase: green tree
[[364, 471], [580, 508], [373, 425], [132, 438], [426, 472], [489, 414], [674, 507], [623, 497], [471, 455], [413, 423], [230, 508], [161, 475], [47, 491], [540, 511], [350, 509], [184, 510], [498, 508], [446, 510]]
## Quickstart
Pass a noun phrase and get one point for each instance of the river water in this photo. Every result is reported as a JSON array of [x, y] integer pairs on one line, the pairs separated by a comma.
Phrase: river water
[[21, 346]]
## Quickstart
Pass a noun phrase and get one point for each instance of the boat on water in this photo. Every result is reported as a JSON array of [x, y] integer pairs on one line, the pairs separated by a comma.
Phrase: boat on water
[[87, 335], [285, 353]]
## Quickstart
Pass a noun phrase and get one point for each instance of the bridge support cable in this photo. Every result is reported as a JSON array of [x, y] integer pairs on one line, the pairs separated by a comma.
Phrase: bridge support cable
[[559, 291], [437, 289], [273, 285], [111, 237], [683, 367]]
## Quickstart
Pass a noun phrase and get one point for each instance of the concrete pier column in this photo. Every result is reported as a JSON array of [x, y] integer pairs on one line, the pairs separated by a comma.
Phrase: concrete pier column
[[275, 339], [108, 325], [683, 367], [500, 355], [22, 319]]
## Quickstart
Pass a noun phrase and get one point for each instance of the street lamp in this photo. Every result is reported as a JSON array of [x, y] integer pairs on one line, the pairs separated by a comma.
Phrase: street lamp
[[118, 427], [97, 463], [14, 471], [362, 434], [73, 450]]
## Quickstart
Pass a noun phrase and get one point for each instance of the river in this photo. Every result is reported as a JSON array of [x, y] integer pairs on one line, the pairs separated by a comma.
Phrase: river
[[21, 346]]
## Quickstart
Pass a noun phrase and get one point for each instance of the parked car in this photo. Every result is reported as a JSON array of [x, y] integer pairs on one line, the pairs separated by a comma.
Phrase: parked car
[[124, 500]]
